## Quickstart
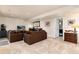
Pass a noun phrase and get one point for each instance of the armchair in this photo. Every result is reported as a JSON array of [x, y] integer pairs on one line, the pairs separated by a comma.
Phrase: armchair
[[15, 36], [34, 36]]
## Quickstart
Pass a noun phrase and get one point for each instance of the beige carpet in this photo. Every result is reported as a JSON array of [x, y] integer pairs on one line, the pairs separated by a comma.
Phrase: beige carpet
[[43, 47]]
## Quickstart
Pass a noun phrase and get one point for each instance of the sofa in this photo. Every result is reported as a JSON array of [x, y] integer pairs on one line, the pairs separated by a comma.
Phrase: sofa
[[31, 37], [15, 36]]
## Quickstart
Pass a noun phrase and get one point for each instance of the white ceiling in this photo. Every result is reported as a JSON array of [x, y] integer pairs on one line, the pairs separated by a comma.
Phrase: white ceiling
[[26, 11], [29, 11]]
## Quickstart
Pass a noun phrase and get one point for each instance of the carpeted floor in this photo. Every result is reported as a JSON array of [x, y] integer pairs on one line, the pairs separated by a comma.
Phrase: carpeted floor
[[48, 46]]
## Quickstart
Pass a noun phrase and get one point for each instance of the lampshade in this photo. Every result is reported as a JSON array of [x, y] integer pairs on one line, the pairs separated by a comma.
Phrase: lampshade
[[75, 26]]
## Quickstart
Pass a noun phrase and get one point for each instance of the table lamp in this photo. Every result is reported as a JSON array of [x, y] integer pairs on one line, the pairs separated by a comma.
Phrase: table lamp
[[75, 26]]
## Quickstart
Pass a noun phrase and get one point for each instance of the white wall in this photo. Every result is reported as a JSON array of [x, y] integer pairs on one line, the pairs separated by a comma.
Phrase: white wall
[[46, 28], [11, 23]]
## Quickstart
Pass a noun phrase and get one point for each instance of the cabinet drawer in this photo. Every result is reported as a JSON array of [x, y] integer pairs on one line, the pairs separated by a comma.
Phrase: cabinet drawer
[[70, 37]]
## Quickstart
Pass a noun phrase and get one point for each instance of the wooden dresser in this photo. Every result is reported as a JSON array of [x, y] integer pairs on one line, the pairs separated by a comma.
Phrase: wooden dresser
[[70, 37]]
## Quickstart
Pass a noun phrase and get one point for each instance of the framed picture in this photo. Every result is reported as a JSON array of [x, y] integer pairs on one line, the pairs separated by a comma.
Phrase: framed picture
[[20, 27], [36, 24]]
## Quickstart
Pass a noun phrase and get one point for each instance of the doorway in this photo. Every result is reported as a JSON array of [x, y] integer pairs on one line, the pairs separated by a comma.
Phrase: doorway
[[60, 24]]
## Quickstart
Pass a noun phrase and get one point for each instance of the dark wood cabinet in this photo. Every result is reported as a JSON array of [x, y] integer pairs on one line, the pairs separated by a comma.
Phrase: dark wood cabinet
[[70, 37]]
